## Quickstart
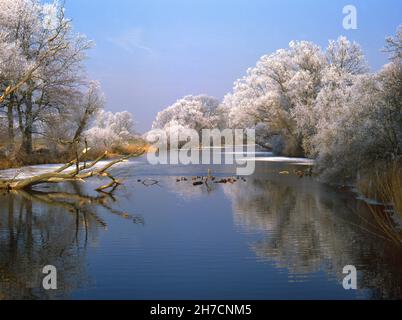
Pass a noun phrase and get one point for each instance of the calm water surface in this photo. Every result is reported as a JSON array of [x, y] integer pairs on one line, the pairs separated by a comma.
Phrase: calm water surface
[[269, 237]]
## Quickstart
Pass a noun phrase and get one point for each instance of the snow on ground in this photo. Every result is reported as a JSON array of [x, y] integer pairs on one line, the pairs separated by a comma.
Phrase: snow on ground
[[30, 171], [297, 161], [257, 153]]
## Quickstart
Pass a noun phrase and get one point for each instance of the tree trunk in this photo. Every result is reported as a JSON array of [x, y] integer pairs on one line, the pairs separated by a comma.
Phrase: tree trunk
[[81, 126], [78, 132], [27, 130], [10, 119]]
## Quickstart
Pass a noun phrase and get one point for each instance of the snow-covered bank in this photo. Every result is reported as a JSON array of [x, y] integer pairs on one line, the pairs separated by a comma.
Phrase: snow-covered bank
[[297, 161], [30, 171]]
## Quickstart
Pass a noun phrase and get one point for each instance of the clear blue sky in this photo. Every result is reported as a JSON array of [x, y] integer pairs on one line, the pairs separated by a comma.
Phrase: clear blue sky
[[149, 53]]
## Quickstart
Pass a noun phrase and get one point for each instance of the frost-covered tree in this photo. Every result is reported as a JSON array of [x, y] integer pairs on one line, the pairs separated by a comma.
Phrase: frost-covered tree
[[40, 64], [193, 112], [37, 33], [110, 130], [360, 121], [68, 124], [394, 45], [15, 17], [280, 94], [346, 57]]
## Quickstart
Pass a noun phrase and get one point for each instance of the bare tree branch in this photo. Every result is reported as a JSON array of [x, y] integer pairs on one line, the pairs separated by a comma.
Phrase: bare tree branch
[[84, 172]]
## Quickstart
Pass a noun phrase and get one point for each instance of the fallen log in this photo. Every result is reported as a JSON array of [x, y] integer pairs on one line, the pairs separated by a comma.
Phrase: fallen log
[[62, 174]]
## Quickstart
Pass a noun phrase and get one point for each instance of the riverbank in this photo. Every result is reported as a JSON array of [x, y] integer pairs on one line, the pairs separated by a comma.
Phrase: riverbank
[[42, 156]]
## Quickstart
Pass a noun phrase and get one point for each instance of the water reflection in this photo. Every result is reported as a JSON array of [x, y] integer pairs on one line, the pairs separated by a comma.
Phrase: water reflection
[[311, 228], [307, 228], [295, 229], [40, 228]]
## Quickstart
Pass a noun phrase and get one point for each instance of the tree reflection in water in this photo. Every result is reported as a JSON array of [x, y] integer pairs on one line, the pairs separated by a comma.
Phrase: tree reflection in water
[[307, 228], [297, 225], [49, 228], [310, 228]]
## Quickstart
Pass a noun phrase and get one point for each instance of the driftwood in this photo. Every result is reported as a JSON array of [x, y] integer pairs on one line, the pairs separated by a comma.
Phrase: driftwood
[[65, 174]]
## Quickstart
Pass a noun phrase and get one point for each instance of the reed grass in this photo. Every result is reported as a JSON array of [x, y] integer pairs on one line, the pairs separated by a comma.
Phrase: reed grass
[[384, 184]]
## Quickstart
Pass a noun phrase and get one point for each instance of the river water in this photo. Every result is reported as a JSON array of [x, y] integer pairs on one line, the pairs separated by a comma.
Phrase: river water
[[269, 236]]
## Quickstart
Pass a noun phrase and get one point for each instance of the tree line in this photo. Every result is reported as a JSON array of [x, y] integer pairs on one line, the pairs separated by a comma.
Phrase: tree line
[[45, 93], [306, 101]]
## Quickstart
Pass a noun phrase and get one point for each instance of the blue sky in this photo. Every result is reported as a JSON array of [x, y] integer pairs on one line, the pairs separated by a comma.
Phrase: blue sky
[[149, 53]]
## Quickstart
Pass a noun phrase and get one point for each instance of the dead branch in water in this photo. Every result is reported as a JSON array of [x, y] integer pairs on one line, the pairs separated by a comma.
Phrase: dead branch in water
[[62, 174], [76, 203]]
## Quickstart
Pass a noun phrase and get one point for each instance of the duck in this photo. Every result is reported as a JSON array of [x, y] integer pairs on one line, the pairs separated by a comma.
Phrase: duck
[[299, 173], [309, 172]]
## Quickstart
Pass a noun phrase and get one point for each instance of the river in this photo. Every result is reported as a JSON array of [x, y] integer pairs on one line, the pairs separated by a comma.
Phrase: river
[[268, 236]]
